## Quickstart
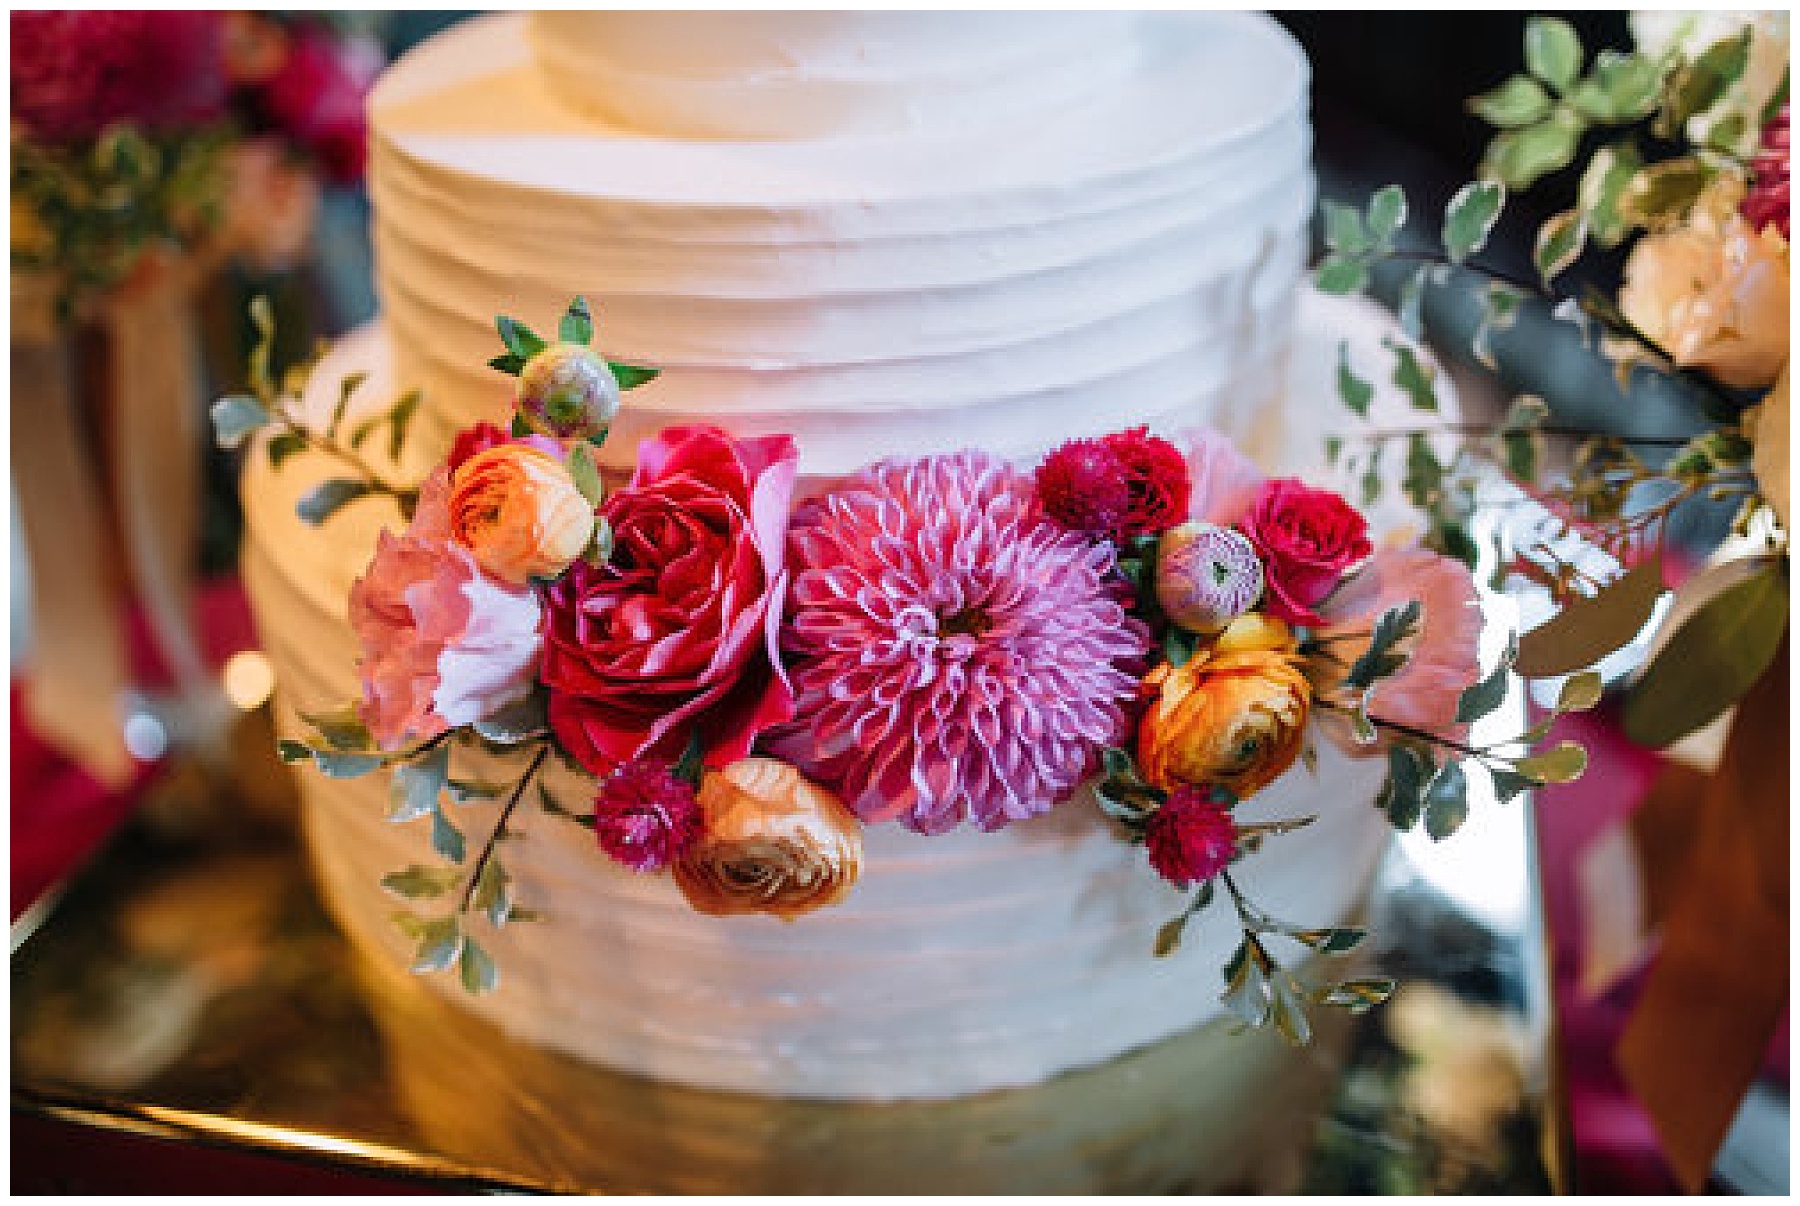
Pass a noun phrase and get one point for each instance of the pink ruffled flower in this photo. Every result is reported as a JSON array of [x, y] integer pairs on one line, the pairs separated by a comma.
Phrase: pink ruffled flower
[[443, 644], [1191, 838], [644, 817], [75, 73], [1442, 660], [957, 654], [1225, 480]]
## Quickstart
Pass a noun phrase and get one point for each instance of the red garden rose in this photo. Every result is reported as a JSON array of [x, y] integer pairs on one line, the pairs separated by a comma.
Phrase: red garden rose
[[1307, 539], [676, 635]]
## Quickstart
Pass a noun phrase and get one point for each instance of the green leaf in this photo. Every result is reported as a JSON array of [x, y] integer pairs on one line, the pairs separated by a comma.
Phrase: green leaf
[[1380, 660], [1424, 478], [1631, 84], [1446, 801], [467, 791], [1483, 697], [1340, 276], [1580, 691], [342, 727], [1333, 940], [1609, 173], [1519, 101], [1470, 217], [414, 787], [1710, 661], [630, 376], [1334, 449], [446, 838], [237, 417], [322, 501], [1508, 784], [1562, 764], [1698, 85], [293, 751], [585, 473], [519, 339], [691, 766], [1246, 992], [421, 883], [1353, 390], [262, 317], [349, 385], [493, 893], [1411, 308], [338, 764], [1406, 788], [1344, 230], [1287, 1010], [520, 428], [1559, 243], [1660, 194], [1387, 214], [440, 943], [400, 418], [283, 446], [577, 323], [1357, 995], [509, 363], [1520, 158], [479, 973], [1589, 628], [1168, 935], [520, 721], [1552, 51], [1413, 376]]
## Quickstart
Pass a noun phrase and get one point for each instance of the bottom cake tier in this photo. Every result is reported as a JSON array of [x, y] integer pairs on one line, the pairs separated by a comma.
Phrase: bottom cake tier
[[958, 964]]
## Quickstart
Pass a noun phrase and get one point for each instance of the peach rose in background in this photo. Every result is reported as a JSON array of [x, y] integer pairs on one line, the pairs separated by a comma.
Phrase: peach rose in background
[[517, 509], [772, 842], [1768, 431], [1713, 293], [1442, 659], [1233, 715]]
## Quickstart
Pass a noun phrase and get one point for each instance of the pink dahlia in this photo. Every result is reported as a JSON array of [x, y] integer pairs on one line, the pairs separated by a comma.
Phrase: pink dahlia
[[75, 73], [956, 654], [645, 817], [1191, 838], [1767, 202]]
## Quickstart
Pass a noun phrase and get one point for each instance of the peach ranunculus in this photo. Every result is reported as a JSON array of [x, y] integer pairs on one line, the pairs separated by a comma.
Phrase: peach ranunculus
[[772, 842], [1713, 293], [1769, 436], [1233, 715], [518, 510], [1441, 660]]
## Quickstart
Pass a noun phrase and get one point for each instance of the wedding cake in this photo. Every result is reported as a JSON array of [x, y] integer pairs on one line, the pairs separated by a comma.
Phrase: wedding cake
[[885, 234]]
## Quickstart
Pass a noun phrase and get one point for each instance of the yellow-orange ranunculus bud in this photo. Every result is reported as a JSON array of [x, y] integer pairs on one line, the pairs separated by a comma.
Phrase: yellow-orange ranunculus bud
[[1713, 294], [517, 509], [1232, 715], [772, 842]]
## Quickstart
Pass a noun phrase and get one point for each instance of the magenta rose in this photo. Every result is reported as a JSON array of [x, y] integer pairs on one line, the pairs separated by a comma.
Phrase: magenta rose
[[677, 635], [1307, 539]]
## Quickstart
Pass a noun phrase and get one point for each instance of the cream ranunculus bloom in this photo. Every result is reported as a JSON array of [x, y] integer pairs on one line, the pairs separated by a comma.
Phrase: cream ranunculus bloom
[[1769, 433], [517, 509], [1713, 293], [773, 842]]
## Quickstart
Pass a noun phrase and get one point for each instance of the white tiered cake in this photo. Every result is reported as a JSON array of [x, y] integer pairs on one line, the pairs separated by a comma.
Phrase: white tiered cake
[[885, 234]]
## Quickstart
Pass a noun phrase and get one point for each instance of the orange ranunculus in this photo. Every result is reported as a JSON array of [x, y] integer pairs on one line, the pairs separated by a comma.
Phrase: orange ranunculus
[[772, 842], [517, 509], [1233, 715], [1713, 293]]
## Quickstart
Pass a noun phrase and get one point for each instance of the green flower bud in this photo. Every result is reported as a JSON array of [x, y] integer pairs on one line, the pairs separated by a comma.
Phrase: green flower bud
[[568, 391]]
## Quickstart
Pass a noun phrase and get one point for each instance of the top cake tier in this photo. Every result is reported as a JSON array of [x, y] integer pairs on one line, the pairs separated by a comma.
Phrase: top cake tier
[[796, 75], [1131, 258]]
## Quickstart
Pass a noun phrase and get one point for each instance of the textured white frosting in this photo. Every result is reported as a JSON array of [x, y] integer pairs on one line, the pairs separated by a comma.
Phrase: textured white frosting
[[730, 75], [897, 284], [958, 963], [982, 284]]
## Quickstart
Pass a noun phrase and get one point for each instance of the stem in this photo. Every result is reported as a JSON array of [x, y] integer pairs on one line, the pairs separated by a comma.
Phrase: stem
[[333, 448], [1409, 731], [512, 802]]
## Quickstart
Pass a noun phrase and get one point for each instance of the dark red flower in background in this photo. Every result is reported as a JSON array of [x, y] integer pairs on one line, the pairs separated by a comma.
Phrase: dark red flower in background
[[76, 73], [1767, 202]]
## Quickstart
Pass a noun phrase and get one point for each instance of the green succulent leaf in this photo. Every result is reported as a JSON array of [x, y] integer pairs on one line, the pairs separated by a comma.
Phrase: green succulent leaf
[[1553, 51], [1520, 101]]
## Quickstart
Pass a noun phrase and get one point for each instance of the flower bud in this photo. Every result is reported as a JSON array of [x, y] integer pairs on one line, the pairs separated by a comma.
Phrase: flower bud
[[1206, 576], [568, 391]]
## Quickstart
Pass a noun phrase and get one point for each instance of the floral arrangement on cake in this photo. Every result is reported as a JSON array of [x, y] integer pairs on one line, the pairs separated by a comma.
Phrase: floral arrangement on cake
[[134, 132], [1681, 150], [750, 677]]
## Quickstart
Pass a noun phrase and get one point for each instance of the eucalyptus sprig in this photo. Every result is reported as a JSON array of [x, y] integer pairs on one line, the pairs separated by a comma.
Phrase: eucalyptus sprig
[[272, 404]]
